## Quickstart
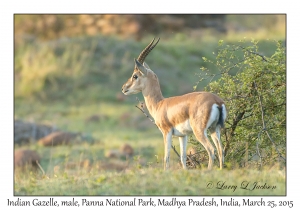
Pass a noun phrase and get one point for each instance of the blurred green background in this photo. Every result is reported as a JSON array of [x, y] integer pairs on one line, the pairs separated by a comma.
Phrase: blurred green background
[[69, 70]]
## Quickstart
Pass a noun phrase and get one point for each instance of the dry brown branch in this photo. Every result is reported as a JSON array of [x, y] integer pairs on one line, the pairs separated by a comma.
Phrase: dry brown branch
[[37, 162]]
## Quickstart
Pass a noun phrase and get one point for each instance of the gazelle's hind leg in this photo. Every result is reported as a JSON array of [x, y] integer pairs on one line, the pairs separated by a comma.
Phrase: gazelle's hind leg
[[216, 137], [167, 142], [201, 135]]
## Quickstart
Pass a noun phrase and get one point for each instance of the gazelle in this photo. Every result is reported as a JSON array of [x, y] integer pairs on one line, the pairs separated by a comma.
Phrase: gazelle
[[179, 116]]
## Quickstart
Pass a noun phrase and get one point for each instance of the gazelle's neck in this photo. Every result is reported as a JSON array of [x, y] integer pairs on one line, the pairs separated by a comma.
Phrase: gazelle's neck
[[152, 93]]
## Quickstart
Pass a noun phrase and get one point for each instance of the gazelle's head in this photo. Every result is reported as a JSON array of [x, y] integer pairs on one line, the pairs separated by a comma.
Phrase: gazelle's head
[[136, 83]]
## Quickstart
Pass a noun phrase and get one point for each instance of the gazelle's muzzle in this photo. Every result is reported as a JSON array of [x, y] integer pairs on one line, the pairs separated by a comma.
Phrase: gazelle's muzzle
[[125, 88]]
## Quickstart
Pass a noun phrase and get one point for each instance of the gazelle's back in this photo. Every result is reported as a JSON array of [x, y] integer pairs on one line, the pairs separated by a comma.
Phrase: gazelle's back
[[176, 110]]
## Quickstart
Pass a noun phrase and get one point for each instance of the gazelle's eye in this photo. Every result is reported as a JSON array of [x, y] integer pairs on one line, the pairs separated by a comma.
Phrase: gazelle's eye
[[135, 76]]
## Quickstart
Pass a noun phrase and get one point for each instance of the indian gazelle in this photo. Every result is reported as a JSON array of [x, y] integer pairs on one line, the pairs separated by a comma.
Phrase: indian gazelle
[[179, 116]]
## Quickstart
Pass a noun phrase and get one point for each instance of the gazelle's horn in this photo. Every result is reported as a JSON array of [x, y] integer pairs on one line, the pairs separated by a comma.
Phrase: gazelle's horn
[[146, 51]]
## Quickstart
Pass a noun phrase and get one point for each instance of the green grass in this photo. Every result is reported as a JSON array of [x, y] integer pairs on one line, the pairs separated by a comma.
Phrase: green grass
[[152, 180], [67, 174], [83, 169], [63, 82]]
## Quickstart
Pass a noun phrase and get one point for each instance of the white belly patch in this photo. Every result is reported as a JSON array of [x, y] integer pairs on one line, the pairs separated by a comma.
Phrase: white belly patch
[[182, 129]]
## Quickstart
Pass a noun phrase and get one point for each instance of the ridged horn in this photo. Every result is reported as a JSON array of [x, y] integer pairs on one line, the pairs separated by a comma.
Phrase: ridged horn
[[146, 51]]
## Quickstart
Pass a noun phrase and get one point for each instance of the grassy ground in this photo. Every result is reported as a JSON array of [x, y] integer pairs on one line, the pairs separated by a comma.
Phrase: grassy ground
[[152, 180], [83, 169], [64, 82]]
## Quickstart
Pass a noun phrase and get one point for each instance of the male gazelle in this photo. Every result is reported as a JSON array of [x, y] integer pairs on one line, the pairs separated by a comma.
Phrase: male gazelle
[[180, 115]]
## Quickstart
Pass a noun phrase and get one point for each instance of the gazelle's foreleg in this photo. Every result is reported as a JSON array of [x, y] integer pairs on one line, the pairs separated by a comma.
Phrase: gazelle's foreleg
[[183, 143], [168, 143]]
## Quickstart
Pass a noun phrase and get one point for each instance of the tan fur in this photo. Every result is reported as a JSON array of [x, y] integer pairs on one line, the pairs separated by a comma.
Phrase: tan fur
[[189, 112], [194, 106]]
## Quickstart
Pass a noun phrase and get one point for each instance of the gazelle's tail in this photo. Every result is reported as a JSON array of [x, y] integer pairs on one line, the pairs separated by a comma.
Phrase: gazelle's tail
[[222, 115]]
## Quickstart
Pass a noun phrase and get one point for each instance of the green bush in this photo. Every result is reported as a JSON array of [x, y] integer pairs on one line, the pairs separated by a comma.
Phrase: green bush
[[253, 87]]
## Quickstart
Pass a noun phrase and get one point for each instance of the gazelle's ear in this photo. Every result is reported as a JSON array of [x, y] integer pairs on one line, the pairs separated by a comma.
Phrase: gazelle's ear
[[140, 67], [145, 64]]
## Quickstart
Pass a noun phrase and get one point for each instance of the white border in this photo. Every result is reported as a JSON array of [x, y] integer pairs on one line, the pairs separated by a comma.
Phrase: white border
[[8, 8]]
